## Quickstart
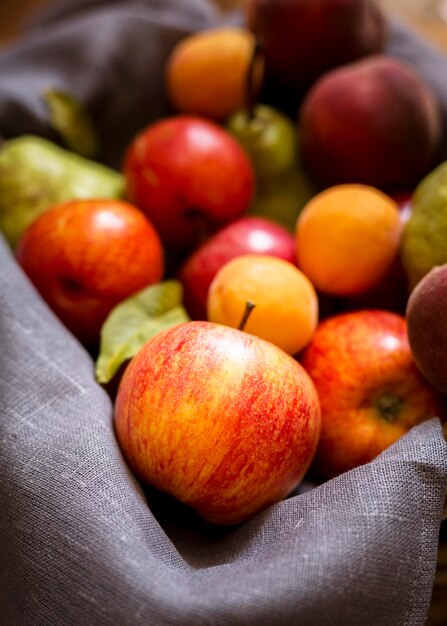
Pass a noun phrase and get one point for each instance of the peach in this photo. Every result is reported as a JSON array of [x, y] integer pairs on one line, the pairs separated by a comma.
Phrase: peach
[[374, 122], [427, 331]]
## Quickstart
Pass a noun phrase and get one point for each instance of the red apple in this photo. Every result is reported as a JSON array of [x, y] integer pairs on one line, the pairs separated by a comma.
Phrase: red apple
[[86, 256], [374, 121], [302, 39], [427, 329], [370, 390], [189, 176], [247, 235], [220, 419]]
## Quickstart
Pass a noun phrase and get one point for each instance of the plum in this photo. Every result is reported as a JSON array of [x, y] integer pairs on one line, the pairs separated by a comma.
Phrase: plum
[[302, 39]]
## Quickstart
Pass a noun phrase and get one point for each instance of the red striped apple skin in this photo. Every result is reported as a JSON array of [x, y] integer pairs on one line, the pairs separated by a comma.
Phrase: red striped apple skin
[[222, 420], [370, 390]]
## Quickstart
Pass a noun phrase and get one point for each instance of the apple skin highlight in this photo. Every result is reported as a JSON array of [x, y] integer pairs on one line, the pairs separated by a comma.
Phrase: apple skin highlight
[[225, 422]]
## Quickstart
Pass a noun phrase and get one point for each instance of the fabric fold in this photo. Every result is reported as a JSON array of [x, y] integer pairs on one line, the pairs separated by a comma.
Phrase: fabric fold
[[81, 542]]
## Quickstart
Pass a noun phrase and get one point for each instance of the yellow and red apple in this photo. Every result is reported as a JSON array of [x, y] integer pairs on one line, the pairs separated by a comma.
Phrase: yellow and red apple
[[224, 421], [370, 390], [427, 330]]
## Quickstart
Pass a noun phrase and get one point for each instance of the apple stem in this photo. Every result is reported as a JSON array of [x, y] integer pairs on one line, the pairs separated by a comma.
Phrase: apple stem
[[251, 91], [248, 310], [389, 407], [203, 227]]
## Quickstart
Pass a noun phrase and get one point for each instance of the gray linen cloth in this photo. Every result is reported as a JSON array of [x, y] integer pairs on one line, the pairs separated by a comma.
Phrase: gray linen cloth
[[81, 542]]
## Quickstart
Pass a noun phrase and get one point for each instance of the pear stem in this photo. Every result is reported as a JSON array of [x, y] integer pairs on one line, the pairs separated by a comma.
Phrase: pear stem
[[251, 90], [249, 306]]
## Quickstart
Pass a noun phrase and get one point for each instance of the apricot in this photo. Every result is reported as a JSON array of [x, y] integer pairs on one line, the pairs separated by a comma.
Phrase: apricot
[[347, 238], [207, 73], [285, 302]]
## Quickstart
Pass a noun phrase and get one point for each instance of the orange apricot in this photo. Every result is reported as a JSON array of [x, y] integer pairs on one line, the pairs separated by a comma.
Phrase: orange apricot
[[207, 72], [347, 238], [285, 302]]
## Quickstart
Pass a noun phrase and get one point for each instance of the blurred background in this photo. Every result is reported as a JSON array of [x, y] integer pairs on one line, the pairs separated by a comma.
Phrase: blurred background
[[428, 17]]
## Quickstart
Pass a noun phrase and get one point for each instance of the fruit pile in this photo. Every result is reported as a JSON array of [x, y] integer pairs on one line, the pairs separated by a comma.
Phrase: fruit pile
[[246, 282]]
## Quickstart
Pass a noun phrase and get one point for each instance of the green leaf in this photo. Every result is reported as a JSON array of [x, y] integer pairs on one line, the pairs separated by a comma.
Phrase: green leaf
[[134, 321], [70, 119]]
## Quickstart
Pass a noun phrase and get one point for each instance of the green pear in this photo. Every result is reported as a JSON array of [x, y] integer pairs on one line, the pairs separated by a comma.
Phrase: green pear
[[283, 198], [423, 240], [268, 136], [36, 174], [271, 140]]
